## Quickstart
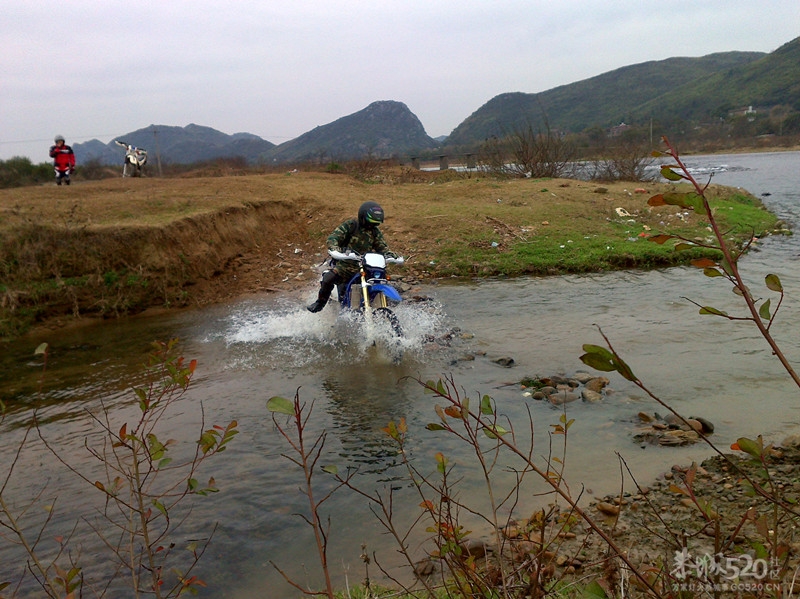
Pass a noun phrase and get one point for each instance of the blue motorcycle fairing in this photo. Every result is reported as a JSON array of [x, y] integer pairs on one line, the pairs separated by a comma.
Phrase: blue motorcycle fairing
[[387, 290]]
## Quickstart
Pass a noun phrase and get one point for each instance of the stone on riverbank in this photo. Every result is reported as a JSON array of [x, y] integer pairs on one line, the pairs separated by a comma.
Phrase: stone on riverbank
[[671, 430]]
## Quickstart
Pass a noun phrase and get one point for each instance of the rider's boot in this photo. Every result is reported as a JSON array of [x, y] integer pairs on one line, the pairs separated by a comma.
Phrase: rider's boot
[[317, 305], [325, 289]]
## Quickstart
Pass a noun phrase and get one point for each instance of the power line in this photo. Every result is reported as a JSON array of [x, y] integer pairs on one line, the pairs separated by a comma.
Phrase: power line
[[81, 138], [89, 137]]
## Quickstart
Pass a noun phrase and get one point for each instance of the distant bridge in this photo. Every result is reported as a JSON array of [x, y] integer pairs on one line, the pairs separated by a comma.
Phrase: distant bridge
[[469, 162]]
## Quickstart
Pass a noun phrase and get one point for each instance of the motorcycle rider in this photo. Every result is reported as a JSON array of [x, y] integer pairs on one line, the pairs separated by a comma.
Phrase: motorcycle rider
[[360, 235], [63, 160]]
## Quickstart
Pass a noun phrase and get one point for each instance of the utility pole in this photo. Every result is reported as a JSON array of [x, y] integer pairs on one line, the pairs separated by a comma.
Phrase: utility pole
[[158, 153]]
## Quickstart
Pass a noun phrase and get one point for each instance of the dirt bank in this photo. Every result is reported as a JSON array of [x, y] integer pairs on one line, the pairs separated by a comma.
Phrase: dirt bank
[[204, 258]]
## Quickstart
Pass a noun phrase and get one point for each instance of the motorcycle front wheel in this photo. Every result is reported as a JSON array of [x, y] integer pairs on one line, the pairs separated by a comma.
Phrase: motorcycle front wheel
[[387, 316]]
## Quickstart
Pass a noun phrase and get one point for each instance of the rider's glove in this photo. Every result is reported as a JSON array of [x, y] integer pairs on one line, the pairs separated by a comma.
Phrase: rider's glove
[[390, 255]]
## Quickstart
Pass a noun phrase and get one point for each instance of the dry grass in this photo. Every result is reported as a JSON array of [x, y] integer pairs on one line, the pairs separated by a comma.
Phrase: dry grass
[[157, 202]]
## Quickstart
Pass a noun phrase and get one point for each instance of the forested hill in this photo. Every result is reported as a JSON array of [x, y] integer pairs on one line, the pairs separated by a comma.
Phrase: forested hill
[[601, 101], [770, 81]]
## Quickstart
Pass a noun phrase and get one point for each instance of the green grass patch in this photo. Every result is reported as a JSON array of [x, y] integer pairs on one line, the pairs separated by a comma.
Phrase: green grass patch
[[744, 216], [575, 244]]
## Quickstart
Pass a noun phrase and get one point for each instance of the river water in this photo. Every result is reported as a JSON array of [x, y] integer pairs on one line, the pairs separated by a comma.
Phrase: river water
[[252, 350]]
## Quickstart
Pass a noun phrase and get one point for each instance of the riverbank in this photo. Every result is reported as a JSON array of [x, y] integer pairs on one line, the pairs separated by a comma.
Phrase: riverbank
[[117, 247], [698, 528]]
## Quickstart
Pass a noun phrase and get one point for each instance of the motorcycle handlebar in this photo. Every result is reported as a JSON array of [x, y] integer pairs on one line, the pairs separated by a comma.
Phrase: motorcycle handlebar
[[353, 256], [343, 255]]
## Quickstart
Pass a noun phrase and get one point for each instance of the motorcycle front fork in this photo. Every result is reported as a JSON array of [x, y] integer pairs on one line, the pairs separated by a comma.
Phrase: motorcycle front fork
[[378, 301]]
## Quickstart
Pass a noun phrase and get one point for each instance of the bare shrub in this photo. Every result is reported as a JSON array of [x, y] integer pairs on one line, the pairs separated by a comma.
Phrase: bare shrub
[[628, 159], [526, 152]]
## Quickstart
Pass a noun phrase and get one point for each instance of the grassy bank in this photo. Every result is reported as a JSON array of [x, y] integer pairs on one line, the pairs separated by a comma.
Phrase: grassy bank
[[116, 247]]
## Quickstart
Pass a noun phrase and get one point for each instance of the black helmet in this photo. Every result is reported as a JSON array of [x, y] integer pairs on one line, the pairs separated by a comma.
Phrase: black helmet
[[370, 214]]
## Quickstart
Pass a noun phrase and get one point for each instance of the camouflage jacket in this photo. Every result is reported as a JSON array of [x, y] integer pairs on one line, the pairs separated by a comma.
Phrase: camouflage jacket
[[360, 240]]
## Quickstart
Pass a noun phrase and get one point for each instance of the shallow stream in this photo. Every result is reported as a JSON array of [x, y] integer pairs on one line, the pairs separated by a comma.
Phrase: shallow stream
[[265, 346]]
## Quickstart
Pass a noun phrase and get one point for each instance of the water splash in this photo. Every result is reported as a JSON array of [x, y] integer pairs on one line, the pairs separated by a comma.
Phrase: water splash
[[287, 335]]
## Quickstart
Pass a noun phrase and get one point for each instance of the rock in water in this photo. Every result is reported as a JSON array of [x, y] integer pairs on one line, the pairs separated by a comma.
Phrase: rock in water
[[591, 396], [505, 361]]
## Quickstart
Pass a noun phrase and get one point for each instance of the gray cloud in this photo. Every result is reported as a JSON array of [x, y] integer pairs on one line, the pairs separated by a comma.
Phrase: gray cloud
[[93, 68]]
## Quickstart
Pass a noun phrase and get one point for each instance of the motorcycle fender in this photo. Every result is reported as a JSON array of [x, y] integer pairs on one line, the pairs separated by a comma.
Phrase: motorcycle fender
[[387, 290]]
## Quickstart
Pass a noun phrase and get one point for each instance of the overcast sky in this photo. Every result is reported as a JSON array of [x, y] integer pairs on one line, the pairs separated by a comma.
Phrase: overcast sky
[[101, 68]]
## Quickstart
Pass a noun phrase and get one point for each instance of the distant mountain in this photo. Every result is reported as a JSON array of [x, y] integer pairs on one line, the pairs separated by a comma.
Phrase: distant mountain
[[672, 92], [603, 101], [381, 130], [772, 80], [178, 145]]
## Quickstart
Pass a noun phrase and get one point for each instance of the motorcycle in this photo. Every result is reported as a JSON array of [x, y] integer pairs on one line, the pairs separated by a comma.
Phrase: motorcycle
[[135, 157], [369, 290]]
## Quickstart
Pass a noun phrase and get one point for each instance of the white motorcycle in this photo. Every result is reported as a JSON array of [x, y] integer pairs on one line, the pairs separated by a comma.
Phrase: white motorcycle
[[135, 159]]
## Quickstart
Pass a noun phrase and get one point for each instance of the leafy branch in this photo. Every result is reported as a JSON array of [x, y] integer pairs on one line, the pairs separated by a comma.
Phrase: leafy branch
[[145, 487], [728, 266]]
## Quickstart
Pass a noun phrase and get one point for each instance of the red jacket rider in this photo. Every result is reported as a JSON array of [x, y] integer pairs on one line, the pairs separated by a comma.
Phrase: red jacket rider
[[63, 160]]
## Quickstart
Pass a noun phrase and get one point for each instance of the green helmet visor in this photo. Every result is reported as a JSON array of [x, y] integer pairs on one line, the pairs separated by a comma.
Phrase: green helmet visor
[[370, 214]]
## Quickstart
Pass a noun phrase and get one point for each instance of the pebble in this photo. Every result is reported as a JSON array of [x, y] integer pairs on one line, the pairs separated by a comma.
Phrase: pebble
[[695, 424], [669, 431], [591, 396], [597, 384], [561, 397], [708, 427], [607, 508]]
